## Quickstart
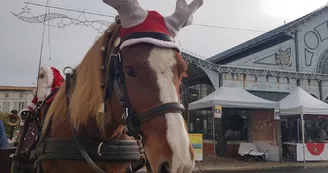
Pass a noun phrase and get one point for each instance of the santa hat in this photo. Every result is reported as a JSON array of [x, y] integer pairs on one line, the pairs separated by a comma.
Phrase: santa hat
[[52, 79], [53, 75], [139, 25]]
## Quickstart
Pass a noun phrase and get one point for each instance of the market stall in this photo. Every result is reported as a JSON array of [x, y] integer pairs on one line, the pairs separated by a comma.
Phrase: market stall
[[305, 122], [261, 119]]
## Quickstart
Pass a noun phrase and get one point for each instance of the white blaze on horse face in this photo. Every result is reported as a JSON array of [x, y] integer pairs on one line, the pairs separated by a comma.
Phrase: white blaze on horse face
[[162, 61]]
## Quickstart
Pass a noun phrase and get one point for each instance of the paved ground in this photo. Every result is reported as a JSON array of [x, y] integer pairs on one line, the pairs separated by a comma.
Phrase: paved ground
[[289, 170], [230, 165]]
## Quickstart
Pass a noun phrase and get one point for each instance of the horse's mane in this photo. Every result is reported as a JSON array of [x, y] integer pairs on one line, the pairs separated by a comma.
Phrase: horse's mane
[[86, 95]]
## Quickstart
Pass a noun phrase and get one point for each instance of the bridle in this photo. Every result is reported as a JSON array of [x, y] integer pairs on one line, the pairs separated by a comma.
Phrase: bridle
[[115, 81], [114, 74]]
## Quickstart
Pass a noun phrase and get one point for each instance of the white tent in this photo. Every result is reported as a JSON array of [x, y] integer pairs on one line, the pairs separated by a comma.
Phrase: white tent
[[300, 102], [233, 97]]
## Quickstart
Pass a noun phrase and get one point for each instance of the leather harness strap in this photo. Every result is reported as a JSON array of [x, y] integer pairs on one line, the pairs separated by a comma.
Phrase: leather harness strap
[[125, 151]]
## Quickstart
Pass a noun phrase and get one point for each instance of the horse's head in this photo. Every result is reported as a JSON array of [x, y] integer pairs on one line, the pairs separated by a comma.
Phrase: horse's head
[[152, 69]]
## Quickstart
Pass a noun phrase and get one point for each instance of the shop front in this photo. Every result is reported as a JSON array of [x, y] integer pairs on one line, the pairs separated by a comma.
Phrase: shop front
[[241, 121]]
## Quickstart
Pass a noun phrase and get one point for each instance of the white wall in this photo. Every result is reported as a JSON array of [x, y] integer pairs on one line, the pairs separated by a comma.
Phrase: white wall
[[312, 43], [15, 99], [313, 40], [262, 83], [267, 57]]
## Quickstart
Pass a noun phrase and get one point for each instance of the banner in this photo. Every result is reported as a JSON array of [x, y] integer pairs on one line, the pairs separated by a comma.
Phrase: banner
[[217, 111], [197, 144]]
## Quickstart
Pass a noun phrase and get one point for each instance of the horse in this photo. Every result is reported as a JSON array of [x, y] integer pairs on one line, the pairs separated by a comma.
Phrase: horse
[[121, 104]]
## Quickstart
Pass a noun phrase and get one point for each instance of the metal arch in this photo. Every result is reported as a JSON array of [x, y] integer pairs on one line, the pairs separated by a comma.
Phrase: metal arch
[[206, 66], [213, 76]]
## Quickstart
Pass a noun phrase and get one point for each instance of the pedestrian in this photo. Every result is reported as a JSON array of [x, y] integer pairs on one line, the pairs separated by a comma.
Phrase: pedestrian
[[49, 79], [3, 136]]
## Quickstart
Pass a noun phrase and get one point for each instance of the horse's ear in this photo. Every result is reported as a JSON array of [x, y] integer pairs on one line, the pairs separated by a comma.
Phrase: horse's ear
[[182, 16], [130, 11]]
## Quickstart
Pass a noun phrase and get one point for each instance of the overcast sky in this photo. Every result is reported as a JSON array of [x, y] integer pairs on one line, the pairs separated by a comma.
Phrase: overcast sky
[[20, 41]]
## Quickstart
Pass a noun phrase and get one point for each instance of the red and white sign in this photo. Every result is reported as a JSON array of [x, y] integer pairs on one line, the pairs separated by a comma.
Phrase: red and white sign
[[313, 151]]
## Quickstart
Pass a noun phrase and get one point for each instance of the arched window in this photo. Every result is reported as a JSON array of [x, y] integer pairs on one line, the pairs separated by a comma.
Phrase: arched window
[[196, 92], [199, 121]]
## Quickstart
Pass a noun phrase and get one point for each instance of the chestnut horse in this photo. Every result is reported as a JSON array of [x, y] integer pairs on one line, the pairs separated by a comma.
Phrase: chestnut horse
[[153, 78], [118, 95]]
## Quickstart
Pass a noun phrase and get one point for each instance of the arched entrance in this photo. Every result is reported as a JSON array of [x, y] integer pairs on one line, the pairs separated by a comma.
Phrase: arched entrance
[[197, 86]]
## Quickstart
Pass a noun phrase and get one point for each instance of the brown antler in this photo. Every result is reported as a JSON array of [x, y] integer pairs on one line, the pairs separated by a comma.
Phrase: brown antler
[[130, 11], [182, 16]]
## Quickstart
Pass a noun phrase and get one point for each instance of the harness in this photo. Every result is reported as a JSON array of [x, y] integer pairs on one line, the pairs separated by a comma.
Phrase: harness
[[95, 150]]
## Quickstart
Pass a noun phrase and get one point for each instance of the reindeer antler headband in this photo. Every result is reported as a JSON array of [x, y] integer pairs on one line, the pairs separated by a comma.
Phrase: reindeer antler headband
[[139, 25]]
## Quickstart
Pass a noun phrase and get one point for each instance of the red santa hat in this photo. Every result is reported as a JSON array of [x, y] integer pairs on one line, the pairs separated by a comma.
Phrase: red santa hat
[[139, 25], [53, 77]]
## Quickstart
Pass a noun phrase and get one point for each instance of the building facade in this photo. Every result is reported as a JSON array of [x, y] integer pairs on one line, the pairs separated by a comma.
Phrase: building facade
[[14, 98], [269, 66], [300, 46]]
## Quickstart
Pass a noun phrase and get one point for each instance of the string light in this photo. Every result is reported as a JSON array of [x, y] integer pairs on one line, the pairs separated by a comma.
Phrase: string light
[[92, 23]]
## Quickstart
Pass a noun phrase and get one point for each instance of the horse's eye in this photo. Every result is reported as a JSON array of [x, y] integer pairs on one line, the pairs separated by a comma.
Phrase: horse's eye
[[131, 72]]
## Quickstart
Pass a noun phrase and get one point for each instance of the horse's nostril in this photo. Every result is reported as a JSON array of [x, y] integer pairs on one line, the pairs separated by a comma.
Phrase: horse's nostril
[[164, 168]]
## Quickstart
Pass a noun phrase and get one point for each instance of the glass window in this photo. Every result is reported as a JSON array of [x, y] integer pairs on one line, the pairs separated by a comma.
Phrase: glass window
[[235, 122], [326, 100], [273, 96], [203, 90], [6, 106], [316, 129], [200, 121]]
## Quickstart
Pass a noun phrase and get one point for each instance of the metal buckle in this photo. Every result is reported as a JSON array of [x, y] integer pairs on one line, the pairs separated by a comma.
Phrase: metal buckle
[[125, 114], [117, 55], [68, 70], [99, 149]]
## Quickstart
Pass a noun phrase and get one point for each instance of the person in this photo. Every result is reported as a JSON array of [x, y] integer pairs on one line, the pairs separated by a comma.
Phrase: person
[[49, 79], [3, 136]]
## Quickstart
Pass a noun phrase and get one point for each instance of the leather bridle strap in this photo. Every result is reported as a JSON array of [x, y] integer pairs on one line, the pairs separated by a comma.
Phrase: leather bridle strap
[[160, 109], [75, 136]]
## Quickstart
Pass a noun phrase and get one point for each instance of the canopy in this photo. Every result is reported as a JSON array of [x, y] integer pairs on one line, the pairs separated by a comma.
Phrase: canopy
[[234, 98], [301, 102]]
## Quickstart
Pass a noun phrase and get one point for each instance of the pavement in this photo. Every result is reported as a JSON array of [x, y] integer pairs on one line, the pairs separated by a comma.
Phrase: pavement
[[232, 165], [285, 170]]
